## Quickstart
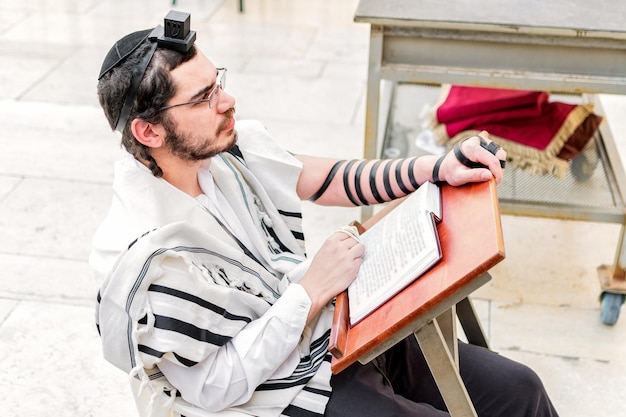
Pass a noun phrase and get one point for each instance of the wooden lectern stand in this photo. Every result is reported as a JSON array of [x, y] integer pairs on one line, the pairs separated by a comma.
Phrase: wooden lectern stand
[[471, 240]]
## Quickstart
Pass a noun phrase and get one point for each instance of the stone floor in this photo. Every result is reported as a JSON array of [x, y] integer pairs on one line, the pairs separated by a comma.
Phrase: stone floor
[[300, 67]]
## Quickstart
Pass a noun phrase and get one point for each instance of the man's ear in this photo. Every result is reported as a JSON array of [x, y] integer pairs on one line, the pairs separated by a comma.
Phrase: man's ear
[[148, 134]]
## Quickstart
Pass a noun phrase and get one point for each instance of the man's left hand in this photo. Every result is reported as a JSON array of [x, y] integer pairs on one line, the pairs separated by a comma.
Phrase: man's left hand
[[473, 160]]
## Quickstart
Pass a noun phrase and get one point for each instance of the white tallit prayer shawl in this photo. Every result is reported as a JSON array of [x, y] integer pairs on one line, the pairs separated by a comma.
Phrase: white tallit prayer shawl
[[187, 286]]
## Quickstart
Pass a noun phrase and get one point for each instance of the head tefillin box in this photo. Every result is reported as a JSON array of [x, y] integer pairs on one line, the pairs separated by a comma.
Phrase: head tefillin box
[[177, 34]]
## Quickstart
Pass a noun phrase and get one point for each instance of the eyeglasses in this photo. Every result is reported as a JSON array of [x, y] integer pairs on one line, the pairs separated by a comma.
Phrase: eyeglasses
[[210, 97]]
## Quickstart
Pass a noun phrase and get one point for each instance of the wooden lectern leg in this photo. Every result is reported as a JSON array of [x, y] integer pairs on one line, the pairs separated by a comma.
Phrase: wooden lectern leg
[[444, 369], [447, 325], [470, 323]]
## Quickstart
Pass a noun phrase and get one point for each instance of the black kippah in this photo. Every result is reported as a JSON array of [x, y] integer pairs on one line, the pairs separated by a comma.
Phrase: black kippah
[[122, 49]]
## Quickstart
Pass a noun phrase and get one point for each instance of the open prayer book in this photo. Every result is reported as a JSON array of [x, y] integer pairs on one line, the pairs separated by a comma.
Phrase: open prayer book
[[398, 249]]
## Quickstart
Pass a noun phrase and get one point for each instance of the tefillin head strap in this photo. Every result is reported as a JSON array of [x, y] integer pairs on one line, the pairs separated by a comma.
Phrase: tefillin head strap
[[138, 73]]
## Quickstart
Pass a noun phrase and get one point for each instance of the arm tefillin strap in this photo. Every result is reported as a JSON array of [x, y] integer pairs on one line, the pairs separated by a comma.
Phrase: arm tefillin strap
[[401, 166], [491, 147], [436, 169], [357, 182], [399, 180], [327, 181], [346, 182], [386, 181], [373, 187], [411, 173], [353, 178]]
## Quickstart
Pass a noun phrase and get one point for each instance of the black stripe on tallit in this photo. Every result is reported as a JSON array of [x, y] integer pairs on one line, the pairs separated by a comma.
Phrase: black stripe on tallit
[[199, 301], [149, 351], [316, 391], [273, 234], [158, 354], [189, 330], [298, 235], [290, 214], [293, 411]]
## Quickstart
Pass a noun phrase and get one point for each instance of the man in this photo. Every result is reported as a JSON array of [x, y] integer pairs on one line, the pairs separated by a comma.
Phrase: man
[[209, 301]]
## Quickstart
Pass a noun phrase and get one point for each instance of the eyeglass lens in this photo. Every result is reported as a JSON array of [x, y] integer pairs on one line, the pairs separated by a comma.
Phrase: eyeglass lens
[[220, 84]]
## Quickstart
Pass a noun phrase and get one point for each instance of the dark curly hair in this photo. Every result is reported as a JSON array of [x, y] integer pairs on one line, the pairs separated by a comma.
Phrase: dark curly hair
[[156, 88]]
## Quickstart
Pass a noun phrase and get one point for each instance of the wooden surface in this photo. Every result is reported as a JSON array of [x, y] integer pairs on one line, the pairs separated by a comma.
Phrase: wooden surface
[[472, 243], [564, 17]]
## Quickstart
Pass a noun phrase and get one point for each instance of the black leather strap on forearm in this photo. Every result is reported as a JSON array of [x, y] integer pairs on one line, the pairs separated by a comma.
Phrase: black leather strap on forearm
[[436, 169]]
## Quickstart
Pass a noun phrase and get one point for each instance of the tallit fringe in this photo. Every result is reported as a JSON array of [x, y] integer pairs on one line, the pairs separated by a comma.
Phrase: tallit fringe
[[139, 372], [154, 407]]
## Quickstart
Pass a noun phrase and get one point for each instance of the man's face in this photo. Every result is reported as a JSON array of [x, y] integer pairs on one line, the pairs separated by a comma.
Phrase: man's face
[[196, 131]]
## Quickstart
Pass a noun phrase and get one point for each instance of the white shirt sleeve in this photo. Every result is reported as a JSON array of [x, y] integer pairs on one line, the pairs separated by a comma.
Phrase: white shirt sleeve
[[266, 348]]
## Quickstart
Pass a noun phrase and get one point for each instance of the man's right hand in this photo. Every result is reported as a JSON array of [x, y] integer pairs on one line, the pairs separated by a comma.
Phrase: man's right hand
[[332, 269]]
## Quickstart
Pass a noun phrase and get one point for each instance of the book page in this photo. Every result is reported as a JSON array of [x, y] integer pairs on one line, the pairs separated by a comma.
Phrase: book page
[[402, 246]]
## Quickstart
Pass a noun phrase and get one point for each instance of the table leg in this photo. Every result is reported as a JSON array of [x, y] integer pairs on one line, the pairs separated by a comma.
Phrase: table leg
[[373, 91], [372, 99], [471, 325], [444, 370], [447, 325], [614, 278], [613, 285]]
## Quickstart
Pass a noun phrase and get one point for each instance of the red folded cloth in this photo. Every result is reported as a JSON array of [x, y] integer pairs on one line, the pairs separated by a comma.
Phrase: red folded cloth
[[468, 102], [537, 134]]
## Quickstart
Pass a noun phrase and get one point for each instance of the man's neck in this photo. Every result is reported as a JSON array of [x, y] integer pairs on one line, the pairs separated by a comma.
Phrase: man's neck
[[184, 181], [182, 174]]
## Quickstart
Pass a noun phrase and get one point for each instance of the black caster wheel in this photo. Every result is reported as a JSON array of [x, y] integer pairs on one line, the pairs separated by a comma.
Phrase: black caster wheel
[[611, 306]]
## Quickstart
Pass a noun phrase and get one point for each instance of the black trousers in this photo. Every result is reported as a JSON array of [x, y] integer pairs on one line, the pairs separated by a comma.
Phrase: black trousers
[[399, 383]]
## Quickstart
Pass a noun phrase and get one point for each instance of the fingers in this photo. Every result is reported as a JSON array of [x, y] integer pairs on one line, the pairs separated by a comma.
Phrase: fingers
[[332, 269], [337, 263], [349, 242], [492, 147]]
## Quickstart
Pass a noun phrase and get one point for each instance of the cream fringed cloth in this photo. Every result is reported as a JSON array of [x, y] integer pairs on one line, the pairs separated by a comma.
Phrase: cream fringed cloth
[[539, 135]]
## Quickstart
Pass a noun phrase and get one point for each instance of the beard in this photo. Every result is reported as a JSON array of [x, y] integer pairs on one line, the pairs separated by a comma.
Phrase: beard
[[194, 148]]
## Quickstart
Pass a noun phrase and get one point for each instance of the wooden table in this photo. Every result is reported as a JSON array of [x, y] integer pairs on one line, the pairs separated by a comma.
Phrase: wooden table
[[571, 46], [471, 241]]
